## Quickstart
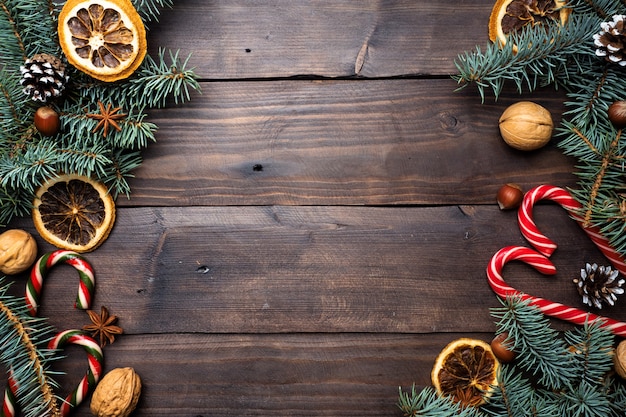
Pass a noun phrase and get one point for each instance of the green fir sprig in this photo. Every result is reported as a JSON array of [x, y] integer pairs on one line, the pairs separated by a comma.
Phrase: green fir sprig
[[22, 354], [564, 56], [554, 374], [28, 159]]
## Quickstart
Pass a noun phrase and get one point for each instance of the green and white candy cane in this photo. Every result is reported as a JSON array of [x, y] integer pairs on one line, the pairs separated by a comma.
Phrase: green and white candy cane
[[86, 274], [95, 358]]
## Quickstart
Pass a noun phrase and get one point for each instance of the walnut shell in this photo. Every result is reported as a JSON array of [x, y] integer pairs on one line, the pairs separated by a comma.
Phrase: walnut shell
[[117, 394], [526, 126], [18, 251], [619, 359]]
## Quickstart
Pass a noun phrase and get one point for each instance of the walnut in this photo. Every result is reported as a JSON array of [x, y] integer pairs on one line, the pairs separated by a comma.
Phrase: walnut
[[18, 251], [526, 126], [117, 394], [619, 359]]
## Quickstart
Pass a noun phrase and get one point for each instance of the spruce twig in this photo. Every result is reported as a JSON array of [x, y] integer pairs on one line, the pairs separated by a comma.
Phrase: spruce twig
[[20, 335], [571, 372]]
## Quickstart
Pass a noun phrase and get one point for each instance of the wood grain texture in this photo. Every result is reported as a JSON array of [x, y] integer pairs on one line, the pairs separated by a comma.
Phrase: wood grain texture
[[313, 269], [270, 375], [339, 142], [267, 39]]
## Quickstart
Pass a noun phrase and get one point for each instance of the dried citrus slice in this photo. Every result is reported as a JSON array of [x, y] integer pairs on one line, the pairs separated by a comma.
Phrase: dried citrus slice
[[103, 38], [74, 212], [465, 370], [512, 15]]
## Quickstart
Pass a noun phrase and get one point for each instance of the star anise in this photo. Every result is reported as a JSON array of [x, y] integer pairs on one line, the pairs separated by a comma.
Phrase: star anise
[[468, 397], [107, 117], [103, 327]]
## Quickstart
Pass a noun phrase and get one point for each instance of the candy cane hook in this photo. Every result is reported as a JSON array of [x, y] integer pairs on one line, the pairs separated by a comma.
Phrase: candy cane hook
[[35, 282], [542, 264], [546, 246]]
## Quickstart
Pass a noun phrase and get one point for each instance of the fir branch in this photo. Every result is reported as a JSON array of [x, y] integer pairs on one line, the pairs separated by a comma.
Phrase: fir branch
[[427, 403], [13, 44], [121, 169], [585, 401], [13, 105], [592, 352], [513, 396], [529, 59], [150, 10], [13, 203], [20, 334], [540, 351], [164, 78], [34, 27]]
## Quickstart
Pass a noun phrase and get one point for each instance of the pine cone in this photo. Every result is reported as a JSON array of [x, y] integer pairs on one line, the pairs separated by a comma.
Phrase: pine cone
[[599, 284], [43, 77], [611, 40]]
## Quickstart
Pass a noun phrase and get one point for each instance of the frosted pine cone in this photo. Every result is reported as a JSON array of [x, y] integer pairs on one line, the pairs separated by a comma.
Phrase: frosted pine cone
[[43, 77], [599, 284], [611, 40]]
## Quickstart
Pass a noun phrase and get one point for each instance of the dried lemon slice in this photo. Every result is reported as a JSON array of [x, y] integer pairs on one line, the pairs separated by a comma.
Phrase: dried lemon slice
[[74, 212], [512, 15], [105, 39], [466, 370]]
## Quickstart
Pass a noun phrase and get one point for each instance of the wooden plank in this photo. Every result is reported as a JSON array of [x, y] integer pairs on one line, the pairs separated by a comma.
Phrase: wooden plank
[[263, 39], [313, 269], [276, 375], [339, 142]]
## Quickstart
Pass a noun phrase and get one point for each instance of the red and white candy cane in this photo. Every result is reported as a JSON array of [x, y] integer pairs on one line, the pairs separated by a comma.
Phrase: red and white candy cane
[[83, 301], [89, 381], [542, 264], [546, 246], [95, 358], [85, 271]]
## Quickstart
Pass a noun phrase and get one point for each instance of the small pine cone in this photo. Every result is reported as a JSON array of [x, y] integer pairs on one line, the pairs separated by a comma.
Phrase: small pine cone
[[43, 77], [599, 284], [611, 40]]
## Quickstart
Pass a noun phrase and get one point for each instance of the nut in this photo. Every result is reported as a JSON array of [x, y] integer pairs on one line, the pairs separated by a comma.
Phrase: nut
[[617, 114], [117, 394], [47, 121], [619, 359], [502, 348], [509, 196], [526, 126], [18, 251]]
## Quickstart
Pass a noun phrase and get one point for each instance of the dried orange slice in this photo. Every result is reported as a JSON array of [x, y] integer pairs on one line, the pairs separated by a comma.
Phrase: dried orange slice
[[103, 38], [512, 15], [466, 370], [74, 212]]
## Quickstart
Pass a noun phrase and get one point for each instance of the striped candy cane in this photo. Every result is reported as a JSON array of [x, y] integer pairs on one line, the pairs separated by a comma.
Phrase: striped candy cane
[[83, 301], [546, 246], [542, 264], [85, 386], [95, 359], [35, 282]]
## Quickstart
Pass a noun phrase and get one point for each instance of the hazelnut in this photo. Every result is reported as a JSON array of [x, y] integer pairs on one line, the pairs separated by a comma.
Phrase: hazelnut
[[617, 114], [526, 126], [47, 121], [509, 196], [18, 251], [503, 348], [619, 359], [117, 393]]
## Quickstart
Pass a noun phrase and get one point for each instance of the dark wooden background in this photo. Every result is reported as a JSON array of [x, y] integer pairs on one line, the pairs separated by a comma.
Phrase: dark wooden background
[[309, 232]]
